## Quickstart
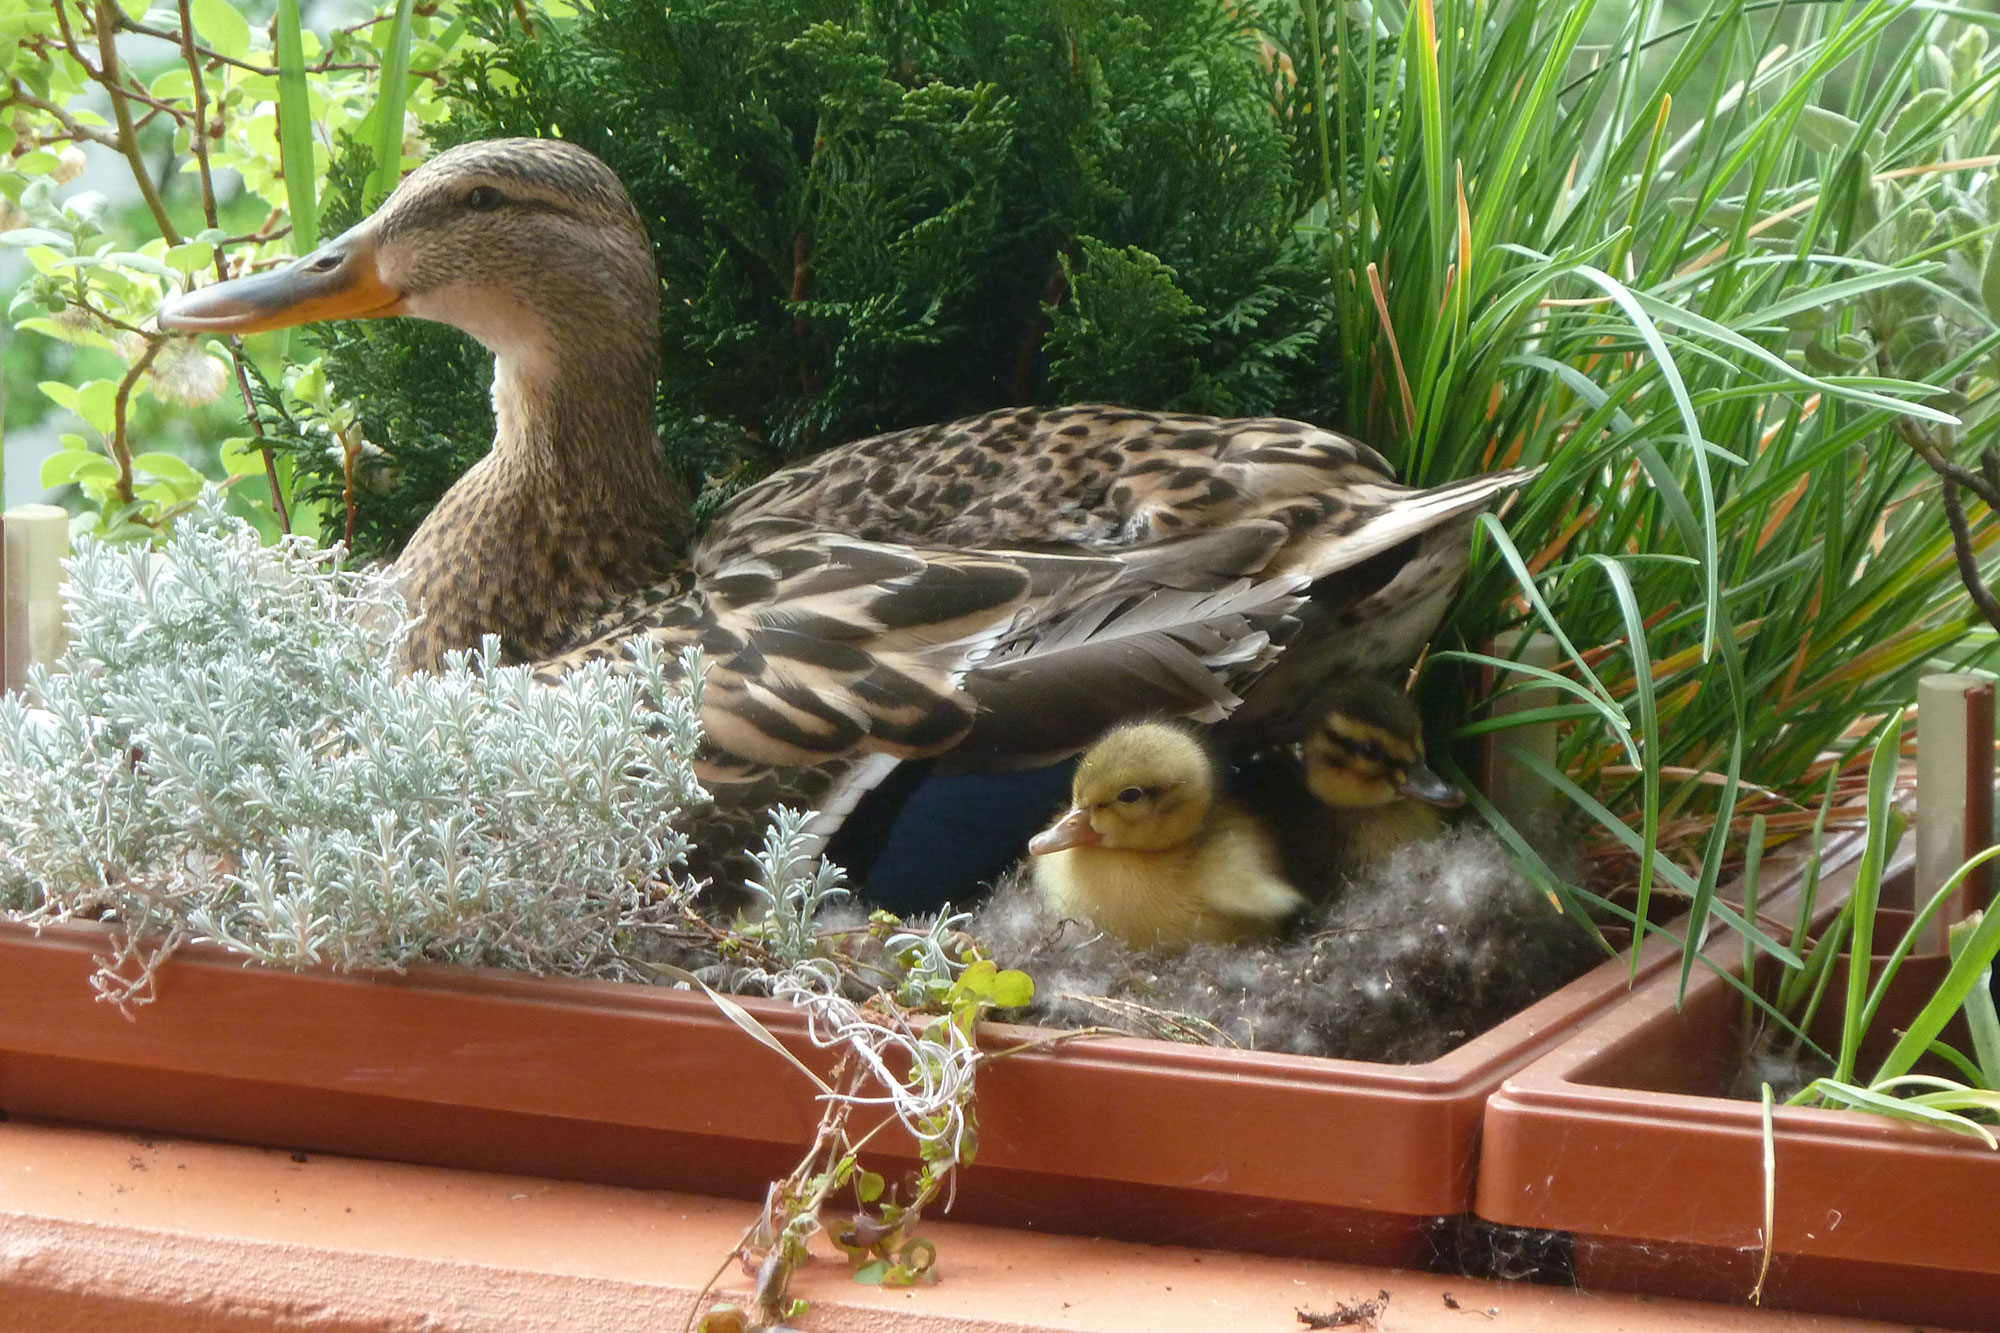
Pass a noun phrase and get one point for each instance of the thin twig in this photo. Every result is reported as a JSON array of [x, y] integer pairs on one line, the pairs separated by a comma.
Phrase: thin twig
[[1048, 1042], [257, 426], [119, 449], [198, 133], [1954, 476], [83, 303], [72, 128], [121, 110], [70, 43], [208, 53]]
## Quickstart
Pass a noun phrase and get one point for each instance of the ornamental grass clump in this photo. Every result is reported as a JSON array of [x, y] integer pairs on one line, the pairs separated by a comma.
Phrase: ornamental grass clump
[[227, 752]]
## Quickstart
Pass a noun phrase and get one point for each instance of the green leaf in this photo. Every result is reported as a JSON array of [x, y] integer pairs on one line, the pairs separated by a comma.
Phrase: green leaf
[[146, 264], [23, 236], [241, 456], [1916, 111], [169, 468], [190, 256], [221, 27], [1830, 132], [1012, 989], [96, 403], [75, 465], [35, 162], [868, 1186], [62, 395], [1989, 281], [1863, 1099], [979, 978], [871, 1273]]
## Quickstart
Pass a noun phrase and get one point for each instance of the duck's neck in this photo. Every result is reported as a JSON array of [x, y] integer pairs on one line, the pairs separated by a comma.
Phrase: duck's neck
[[572, 509]]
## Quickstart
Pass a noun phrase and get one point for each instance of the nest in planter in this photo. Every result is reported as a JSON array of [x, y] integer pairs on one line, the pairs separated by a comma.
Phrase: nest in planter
[[1441, 942]]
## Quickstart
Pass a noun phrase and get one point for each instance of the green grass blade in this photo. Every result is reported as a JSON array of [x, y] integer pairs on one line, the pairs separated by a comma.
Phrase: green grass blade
[[1634, 306], [1648, 739], [1868, 892], [1967, 969], [392, 93], [1895, 1108], [295, 142]]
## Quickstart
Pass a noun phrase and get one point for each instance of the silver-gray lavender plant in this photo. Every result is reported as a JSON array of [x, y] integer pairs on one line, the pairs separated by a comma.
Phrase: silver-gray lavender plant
[[227, 752]]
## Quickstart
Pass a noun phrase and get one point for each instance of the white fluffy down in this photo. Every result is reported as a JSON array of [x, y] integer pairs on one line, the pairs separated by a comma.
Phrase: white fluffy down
[[1437, 945]]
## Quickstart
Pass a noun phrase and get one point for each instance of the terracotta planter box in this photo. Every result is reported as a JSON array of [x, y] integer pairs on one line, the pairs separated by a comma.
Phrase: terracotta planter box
[[1621, 1137], [649, 1087]]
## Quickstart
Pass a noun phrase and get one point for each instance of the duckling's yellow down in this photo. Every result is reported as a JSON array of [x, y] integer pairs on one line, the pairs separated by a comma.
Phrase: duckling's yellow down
[[1150, 856]]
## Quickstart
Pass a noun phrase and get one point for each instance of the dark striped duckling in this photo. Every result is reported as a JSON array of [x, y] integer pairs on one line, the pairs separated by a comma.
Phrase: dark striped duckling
[[1354, 790]]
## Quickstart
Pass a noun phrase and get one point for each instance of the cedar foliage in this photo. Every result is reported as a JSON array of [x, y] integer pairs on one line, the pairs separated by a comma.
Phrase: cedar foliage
[[875, 215]]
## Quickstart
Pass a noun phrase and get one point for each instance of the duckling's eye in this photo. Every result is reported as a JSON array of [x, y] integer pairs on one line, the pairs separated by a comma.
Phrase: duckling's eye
[[1131, 795], [484, 198]]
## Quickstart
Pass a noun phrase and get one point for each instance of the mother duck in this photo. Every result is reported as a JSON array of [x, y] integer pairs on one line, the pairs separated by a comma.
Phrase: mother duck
[[1003, 587]]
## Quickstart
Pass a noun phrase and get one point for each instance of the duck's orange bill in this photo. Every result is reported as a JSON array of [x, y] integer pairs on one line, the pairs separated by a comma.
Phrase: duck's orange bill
[[337, 281], [1072, 830]]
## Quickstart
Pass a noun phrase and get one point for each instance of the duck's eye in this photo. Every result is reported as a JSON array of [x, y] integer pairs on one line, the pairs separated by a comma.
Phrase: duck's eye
[[1132, 794], [484, 198]]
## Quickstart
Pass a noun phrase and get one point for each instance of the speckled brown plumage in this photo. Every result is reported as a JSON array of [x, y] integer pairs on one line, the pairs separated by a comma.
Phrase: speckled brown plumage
[[1091, 477]]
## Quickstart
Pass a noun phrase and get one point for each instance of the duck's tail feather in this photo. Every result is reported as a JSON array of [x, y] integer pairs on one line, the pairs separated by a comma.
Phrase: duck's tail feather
[[1382, 517]]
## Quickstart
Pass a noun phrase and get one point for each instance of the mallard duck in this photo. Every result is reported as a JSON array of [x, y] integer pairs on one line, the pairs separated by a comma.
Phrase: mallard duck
[[1152, 854], [1355, 789], [1003, 587]]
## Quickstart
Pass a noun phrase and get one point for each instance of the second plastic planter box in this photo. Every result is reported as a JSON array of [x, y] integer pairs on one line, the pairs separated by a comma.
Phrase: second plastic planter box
[[1621, 1138]]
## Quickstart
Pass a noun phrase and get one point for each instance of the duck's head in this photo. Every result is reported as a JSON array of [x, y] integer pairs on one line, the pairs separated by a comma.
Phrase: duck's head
[[523, 243], [1368, 750], [1146, 786]]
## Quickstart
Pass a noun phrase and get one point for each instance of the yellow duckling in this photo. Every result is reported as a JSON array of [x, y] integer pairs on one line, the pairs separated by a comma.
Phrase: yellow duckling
[[1356, 789], [1150, 855]]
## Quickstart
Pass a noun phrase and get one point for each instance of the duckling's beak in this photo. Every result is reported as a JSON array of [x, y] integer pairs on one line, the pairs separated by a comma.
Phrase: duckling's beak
[[337, 281], [1420, 784], [1072, 830]]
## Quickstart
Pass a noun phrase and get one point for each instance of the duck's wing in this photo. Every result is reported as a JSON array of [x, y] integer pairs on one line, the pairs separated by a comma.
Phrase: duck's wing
[[821, 647], [1189, 626]]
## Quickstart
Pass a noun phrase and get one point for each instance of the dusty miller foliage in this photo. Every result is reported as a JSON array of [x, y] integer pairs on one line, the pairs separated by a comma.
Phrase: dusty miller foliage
[[227, 752]]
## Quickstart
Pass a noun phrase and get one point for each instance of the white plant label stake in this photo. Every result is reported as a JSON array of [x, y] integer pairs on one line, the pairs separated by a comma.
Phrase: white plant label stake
[[1954, 787], [36, 541]]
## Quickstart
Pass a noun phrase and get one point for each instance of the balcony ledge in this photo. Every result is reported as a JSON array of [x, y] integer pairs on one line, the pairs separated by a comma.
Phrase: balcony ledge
[[101, 1229]]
